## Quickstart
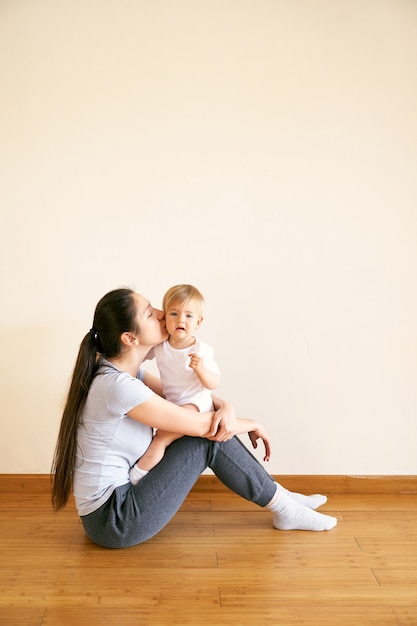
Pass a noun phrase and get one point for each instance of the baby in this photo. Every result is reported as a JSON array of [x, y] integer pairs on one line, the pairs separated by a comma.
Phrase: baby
[[187, 367]]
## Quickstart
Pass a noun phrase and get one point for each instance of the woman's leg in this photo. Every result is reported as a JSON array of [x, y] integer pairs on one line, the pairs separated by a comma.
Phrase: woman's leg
[[134, 514], [313, 502], [241, 472], [237, 468]]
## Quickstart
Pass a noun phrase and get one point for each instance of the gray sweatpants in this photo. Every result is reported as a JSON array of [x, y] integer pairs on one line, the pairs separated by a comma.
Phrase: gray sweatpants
[[135, 513]]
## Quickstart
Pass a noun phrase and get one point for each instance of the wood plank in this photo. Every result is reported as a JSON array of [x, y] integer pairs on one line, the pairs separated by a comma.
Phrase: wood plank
[[390, 484], [286, 616]]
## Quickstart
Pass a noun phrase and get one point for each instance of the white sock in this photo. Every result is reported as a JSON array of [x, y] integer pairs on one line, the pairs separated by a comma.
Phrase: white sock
[[135, 474], [313, 502], [290, 515]]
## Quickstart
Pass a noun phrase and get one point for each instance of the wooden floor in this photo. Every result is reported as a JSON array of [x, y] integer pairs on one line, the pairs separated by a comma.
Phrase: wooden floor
[[218, 562]]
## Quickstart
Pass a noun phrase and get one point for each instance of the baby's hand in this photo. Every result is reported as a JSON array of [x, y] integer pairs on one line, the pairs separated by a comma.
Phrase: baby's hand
[[196, 363]]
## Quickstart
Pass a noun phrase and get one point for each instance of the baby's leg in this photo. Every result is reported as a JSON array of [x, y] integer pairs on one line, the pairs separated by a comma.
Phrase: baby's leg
[[153, 455], [156, 450]]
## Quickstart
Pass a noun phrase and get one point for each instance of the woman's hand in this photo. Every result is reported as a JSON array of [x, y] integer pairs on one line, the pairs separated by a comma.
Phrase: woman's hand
[[224, 425], [260, 433]]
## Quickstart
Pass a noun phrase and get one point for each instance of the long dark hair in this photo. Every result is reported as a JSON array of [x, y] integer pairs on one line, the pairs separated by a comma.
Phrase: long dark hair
[[114, 315]]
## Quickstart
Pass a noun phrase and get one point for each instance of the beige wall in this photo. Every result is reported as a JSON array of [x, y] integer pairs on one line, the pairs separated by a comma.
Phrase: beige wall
[[265, 151]]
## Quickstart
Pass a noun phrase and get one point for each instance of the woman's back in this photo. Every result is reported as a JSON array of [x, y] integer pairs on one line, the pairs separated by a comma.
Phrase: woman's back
[[108, 441]]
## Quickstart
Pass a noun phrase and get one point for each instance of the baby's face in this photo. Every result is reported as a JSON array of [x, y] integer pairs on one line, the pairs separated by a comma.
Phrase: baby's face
[[183, 319]]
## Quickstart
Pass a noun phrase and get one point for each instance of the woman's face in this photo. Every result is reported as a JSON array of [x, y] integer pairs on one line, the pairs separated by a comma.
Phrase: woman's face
[[150, 321]]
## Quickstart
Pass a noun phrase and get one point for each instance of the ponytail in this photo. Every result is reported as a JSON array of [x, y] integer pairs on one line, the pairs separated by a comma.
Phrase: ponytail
[[65, 452], [114, 314]]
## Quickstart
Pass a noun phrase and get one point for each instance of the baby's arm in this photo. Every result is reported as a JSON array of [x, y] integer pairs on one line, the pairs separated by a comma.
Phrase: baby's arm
[[154, 383], [209, 380]]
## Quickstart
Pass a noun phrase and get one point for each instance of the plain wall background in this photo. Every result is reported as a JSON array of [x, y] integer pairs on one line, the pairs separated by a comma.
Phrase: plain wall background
[[263, 150]]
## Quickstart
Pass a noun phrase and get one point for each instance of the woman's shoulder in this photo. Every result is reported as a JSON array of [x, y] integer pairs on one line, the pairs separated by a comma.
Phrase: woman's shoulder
[[106, 368], [121, 385]]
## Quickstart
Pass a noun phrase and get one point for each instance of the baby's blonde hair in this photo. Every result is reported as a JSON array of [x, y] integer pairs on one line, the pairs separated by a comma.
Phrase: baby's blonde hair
[[181, 294]]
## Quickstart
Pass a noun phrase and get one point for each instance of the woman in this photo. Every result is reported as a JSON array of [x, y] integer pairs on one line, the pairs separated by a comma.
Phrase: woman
[[111, 410]]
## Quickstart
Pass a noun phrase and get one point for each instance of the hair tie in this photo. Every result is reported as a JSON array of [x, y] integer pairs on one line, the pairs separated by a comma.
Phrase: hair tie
[[94, 333]]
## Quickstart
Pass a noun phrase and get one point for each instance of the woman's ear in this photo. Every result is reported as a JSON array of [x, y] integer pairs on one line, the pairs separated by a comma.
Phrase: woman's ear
[[128, 339]]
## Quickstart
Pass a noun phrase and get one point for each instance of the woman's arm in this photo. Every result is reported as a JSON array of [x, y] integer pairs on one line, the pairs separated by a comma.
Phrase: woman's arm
[[160, 413], [224, 422]]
